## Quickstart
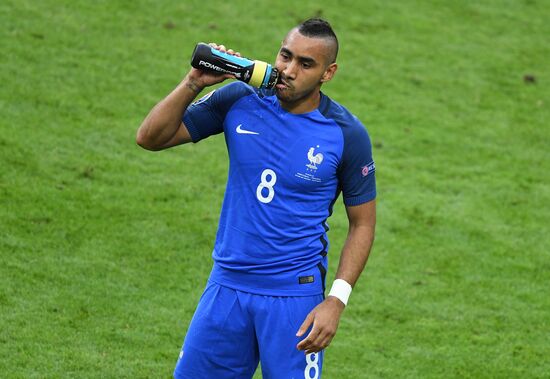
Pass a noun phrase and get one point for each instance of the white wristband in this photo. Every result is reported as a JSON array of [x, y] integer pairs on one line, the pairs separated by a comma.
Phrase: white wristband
[[341, 289]]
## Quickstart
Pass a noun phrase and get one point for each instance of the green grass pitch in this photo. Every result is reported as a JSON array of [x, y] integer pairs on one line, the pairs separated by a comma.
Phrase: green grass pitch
[[105, 248]]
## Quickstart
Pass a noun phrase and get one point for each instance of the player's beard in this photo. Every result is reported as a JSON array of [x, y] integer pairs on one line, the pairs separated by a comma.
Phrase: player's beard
[[289, 95]]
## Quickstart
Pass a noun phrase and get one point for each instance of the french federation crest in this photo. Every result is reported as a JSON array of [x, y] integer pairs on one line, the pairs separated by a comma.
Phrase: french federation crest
[[314, 159]]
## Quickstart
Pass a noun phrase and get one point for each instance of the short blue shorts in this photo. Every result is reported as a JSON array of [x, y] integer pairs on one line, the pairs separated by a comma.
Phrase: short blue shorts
[[232, 331]]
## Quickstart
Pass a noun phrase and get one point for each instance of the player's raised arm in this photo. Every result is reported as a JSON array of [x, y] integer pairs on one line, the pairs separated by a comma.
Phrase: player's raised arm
[[163, 126]]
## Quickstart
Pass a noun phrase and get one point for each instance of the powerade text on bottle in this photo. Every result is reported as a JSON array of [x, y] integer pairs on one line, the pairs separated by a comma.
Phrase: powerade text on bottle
[[256, 73]]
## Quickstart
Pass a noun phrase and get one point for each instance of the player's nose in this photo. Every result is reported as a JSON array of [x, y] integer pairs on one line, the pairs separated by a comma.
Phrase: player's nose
[[289, 71]]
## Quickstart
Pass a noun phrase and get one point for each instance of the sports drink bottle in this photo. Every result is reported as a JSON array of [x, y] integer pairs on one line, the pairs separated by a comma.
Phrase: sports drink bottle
[[256, 73]]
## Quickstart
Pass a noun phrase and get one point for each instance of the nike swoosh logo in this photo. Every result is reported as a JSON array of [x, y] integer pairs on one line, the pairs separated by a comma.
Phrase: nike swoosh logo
[[240, 130]]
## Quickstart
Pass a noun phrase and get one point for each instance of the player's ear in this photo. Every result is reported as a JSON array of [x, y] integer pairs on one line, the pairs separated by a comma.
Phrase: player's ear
[[329, 72]]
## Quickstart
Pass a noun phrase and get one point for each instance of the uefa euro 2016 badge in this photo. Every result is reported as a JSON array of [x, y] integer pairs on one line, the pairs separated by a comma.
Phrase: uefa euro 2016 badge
[[365, 170], [204, 98]]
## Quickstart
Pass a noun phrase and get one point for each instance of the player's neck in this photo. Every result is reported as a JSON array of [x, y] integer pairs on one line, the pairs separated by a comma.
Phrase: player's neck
[[303, 105]]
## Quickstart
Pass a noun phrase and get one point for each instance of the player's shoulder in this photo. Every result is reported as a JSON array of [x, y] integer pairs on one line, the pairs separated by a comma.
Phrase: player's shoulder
[[235, 90], [239, 89], [224, 97], [347, 121]]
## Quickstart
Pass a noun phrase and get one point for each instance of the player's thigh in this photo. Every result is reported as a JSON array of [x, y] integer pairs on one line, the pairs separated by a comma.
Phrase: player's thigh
[[276, 326], [220, 342]]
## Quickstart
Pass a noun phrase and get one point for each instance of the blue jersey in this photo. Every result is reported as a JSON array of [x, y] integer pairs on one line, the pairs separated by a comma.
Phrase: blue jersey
[[285, 173]]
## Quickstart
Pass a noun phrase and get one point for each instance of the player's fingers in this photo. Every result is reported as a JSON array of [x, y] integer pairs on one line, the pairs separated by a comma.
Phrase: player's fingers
[[305, 345], [314, 347], [311, 341], [223, 49], [319, 341], [312, 350], [326, 342], [305, 325]]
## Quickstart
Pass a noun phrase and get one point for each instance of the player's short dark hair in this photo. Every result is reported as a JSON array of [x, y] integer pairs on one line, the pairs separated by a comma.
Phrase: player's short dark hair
[[319, 28]]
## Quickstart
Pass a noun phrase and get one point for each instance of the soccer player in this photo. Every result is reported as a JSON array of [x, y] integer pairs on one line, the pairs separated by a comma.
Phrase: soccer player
[[292, 151]]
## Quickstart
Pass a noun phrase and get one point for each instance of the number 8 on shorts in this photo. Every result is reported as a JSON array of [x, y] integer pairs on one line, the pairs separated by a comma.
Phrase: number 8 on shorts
[[312, 361]]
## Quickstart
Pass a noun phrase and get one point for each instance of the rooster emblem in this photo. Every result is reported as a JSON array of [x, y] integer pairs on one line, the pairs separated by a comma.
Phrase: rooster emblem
[[314, 160]]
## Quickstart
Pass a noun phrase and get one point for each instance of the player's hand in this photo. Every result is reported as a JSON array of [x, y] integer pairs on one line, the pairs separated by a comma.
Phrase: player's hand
[[325, 318], [202, 78]]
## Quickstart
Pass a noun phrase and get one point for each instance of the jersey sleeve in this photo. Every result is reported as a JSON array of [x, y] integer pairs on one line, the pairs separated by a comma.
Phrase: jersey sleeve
[[357, 170], [205, 117]]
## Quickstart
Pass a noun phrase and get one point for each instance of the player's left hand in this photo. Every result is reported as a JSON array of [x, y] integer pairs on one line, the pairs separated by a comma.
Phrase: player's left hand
[[325, 318]]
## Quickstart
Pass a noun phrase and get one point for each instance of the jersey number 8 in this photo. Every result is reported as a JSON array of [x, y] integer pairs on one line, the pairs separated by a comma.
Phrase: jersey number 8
[[266, 185]]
